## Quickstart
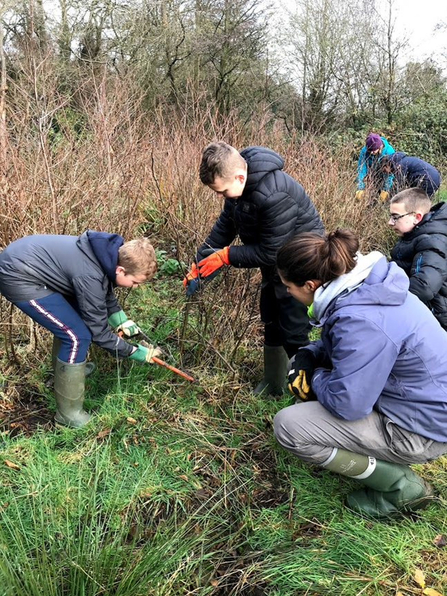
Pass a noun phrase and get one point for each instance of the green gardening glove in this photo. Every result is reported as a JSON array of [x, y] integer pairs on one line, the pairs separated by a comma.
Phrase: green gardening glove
[[117, 318], [120, 322], [145, 354]]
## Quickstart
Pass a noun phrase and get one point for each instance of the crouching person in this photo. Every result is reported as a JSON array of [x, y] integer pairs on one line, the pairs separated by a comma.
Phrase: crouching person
[[374, 388], [65, 283]]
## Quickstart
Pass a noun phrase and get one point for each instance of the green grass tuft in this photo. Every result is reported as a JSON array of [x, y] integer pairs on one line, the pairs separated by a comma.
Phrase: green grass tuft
[[180, 489]]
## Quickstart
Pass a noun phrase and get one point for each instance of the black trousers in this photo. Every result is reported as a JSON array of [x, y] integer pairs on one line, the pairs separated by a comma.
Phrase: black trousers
[[285, 319]]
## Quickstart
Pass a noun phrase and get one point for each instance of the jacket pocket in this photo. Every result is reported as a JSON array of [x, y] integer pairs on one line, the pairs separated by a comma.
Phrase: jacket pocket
[[410, 446]]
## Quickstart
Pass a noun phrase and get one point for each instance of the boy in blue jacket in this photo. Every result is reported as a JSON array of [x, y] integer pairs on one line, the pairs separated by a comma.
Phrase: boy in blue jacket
[[369, 174], [411, 172], [65, 283]]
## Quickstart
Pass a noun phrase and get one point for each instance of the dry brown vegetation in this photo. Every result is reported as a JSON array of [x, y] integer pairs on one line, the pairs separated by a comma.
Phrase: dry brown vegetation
[[109, 166]]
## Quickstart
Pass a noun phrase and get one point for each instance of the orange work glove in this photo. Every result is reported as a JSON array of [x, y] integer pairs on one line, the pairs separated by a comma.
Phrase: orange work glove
[[193, 273], [214, 262], [384, 196]]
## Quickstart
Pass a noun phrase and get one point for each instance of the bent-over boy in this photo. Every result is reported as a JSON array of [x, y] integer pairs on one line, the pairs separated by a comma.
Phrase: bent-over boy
[[65, 283]]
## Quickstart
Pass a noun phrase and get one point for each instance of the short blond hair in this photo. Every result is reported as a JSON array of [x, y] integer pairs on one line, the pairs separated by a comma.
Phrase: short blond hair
[[137, 257], [220, 160], [413, 199]]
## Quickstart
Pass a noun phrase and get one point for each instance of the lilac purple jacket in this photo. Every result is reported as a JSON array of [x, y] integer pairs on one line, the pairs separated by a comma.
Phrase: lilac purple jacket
[[384, 350]]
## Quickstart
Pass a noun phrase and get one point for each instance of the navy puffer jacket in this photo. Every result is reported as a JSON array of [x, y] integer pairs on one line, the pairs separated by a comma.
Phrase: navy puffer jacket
[[272, 209], [422, 253], [414, 173]]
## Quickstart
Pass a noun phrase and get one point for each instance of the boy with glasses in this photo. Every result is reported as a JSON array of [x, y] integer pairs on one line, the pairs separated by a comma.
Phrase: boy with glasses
[[422, 248]]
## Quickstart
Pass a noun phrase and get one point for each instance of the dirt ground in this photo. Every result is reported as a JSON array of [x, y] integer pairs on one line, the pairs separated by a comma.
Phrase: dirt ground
[[24, 414]]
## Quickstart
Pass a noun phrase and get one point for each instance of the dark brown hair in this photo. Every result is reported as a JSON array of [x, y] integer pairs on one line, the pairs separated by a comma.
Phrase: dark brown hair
[[310, 256], [219, 160]]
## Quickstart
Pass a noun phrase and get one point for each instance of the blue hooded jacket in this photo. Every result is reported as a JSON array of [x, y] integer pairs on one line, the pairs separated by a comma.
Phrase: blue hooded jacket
[[412, 172], [369, 162], [81, 268], [386, 351]]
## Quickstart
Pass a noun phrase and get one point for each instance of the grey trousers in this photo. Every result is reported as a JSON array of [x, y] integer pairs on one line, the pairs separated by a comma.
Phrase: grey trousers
[[311, 432]]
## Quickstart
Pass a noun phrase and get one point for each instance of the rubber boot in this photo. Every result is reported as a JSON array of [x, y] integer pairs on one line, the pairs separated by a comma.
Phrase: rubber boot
[[69, 386], [276, 363], [391, 488], [89, 367]]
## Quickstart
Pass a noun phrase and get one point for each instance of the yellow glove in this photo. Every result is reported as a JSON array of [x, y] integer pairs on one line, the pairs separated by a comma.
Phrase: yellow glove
[[301, 387], [384, 196], [302, 368], [359, 195]]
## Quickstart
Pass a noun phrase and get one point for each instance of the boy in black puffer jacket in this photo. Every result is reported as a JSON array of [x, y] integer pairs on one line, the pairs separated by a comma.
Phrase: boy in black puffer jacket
[[265, 207], [422, 248]]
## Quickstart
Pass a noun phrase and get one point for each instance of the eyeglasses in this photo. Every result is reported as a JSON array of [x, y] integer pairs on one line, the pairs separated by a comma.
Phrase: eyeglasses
[[394, 217]]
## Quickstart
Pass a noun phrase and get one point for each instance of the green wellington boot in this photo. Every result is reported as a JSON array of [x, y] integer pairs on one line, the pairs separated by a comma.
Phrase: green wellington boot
[[276, 363], [391, 488], [69, 386], [89, 367]]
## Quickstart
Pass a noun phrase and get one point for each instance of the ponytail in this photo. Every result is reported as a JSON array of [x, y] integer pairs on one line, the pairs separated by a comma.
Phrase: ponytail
[[322, 258]]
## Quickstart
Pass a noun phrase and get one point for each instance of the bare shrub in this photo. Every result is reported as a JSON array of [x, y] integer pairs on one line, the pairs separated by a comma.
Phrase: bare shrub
[[188, 210], [92, 158]]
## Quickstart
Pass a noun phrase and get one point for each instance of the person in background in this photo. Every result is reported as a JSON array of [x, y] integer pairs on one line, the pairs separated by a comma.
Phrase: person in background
[[265, 207], [411, 172], [421, 250], [65, 283], [371, 180], [373, 388]]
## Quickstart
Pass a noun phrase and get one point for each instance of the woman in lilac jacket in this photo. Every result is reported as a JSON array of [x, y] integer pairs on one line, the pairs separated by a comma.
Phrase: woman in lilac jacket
[[374, 388]]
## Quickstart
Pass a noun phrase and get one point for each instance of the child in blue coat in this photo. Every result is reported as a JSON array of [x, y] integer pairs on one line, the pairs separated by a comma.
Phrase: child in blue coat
[[411, 172], [370, 177]]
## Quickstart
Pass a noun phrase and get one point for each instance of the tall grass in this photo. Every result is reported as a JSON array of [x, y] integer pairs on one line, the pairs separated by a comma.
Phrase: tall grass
[[179, 489]]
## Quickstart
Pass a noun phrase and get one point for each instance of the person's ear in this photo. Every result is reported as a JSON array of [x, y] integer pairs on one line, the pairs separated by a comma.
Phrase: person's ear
[[241, 178], [120, 270], [312, 284], [418, 217]]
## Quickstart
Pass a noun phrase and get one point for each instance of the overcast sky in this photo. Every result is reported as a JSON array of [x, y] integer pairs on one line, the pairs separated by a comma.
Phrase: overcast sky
[[416, 21]]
